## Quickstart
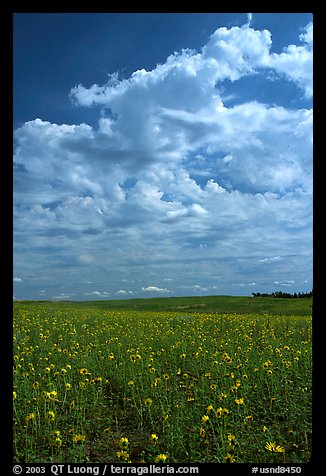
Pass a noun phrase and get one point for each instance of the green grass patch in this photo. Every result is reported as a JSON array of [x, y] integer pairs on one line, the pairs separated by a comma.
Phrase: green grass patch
[[219, 304]]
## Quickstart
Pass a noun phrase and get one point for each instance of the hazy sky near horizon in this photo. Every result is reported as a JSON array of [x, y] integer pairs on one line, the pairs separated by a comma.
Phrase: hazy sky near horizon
[[162, 154]]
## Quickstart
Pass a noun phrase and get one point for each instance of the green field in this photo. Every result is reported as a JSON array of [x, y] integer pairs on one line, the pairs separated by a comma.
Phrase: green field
[[179, 380], [219, 304]]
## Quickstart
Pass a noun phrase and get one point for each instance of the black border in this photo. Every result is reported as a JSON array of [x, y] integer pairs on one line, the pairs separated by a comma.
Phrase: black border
[[6, 123]]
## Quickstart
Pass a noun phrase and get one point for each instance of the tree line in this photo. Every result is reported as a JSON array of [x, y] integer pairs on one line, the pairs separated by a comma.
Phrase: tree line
[[281, 294]]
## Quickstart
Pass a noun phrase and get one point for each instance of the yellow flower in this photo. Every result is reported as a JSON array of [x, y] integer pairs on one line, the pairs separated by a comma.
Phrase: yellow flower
[[219, 412], [227, 358], [57, 441], [78, 438], [223, 396], [165, 416], [68, 386], [84, 371], [231, 439], [204, 419], [29, 417], [148, 402], [156, 381], [153, 438], [122, 455], [14, 394], [202, 432], [209, 408], [161, 458], [51, 415], [239, 401], [268, 363], [123, 442], [274, 448], [51, 395], [229, 458]]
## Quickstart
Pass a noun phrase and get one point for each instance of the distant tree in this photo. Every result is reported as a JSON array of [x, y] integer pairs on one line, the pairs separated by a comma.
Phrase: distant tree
[[283, 295]]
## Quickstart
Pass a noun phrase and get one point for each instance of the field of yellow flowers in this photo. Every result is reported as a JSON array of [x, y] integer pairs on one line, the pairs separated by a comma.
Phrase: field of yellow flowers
[[92, 385]]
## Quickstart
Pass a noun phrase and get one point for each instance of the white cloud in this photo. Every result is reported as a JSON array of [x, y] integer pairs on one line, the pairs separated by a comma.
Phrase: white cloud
[[103, 294], [155, 289], [17, 280], [267, 260], [296, 62], [63, 296]]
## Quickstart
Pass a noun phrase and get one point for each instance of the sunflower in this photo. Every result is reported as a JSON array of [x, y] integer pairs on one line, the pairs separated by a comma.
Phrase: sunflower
[[78, 438], [122, 455], [239, 401], [51, 415], [123, 442], [204, 419], [229, 458], [29, 417], [153, 438], [84, 371], [274, 448], [161, 458]]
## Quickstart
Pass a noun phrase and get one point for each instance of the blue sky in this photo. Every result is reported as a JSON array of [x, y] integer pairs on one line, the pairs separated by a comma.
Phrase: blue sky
[[162, 154]]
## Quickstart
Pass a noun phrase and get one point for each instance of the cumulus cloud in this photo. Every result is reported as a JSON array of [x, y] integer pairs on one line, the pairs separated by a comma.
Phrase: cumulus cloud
[[296, 62], [155, 289], [169, 168]]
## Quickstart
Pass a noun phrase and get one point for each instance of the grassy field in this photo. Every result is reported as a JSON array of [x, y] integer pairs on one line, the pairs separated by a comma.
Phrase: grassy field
[[219, 304], [178, 380]]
